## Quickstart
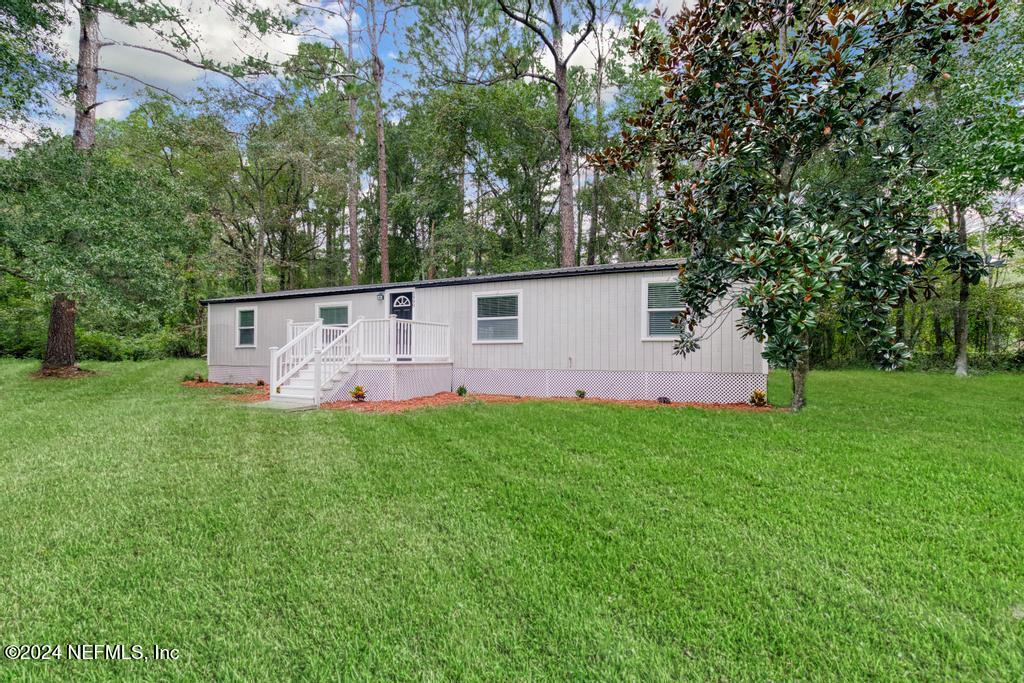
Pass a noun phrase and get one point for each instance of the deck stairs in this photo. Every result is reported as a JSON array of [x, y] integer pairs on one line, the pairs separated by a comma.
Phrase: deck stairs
[[320, 358]]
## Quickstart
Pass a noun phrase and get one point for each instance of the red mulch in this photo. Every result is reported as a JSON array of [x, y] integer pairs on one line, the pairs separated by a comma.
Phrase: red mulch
[[259, 392], [447, 398], [70, 372]]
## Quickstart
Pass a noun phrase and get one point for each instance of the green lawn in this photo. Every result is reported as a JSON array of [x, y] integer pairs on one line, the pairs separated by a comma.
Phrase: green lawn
[[878, 534]]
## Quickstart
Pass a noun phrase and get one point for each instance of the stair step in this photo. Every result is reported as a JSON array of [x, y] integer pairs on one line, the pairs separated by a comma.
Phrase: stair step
[[292, 403], [304, 392]]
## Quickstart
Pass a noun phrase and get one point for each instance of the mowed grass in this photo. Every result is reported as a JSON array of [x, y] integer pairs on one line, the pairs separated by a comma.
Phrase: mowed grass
[[877, 535]]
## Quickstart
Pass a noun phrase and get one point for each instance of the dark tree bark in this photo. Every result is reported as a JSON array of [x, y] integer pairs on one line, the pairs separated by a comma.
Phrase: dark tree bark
[[353, 172], [596, 187], [566, 200], [382, 159], [431, 252], [552, 40], [960, 322], [87, 78], [799, 376], [901, 317], [60, 338]]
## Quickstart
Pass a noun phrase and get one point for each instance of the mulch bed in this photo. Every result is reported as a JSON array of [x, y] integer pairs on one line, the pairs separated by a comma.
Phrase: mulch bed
[[447, 398], [72, 372], [256, 393], [259, 393]]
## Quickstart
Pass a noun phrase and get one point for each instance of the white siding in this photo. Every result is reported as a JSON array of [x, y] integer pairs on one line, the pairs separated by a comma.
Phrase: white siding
[[582, 322]]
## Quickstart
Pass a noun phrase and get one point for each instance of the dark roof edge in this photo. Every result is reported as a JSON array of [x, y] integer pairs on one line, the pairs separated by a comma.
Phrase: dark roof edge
[[631, 266]]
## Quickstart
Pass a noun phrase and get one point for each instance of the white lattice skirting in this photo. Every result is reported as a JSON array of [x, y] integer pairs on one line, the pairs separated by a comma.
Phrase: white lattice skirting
[[238, 374], [623, 385], [397, 382], [385, 382]]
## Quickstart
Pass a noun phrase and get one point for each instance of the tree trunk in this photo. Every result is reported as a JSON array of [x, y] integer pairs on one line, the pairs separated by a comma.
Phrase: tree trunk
[[901, 314], [261, 251], [566, 203], [595, 187], [382, 161], [330, 234], [578, 256], [478, 230], [431, 253], [60, 338], [938, 335], [799, 376], [565, 189], [353, 173], [961, 322], [87, 78]]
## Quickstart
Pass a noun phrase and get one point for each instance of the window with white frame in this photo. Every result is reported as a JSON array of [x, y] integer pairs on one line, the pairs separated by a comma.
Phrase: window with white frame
[[333, 313], [246, 326], [661, 306], [497, 318]]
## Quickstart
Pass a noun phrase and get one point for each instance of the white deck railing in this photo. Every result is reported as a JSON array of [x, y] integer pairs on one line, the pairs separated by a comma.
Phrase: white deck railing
[[293, 356], [327, 334], [391, 340], [330, 348]]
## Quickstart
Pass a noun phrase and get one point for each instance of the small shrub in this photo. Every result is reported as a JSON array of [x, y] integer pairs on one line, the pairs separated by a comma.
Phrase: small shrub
[[664, 400], [462, 390], [193, 377], [759, 398], [261, 383], [358, 393], [580, 394]]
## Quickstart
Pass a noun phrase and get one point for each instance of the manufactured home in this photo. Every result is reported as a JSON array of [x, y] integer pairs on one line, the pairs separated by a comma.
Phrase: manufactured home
[[605, 330]]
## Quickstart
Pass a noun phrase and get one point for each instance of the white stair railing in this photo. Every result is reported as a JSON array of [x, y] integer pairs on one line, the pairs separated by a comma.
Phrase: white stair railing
[[293, 356], [329, 349], [334, 357]]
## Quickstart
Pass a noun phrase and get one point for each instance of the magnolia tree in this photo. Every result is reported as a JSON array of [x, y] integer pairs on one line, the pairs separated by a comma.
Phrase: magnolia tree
[[753, 94]]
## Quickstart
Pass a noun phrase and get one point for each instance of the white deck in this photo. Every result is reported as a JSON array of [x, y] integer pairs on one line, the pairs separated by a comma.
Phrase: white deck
[[318, 358]]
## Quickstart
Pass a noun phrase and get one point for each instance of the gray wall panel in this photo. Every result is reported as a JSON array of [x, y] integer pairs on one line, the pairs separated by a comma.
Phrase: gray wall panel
[[587, 322]]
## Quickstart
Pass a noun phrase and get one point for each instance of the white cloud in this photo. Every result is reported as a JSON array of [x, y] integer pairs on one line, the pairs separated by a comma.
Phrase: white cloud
[[331, 26], [669, 7], [114, 109], [220, 40], [586, 55]]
